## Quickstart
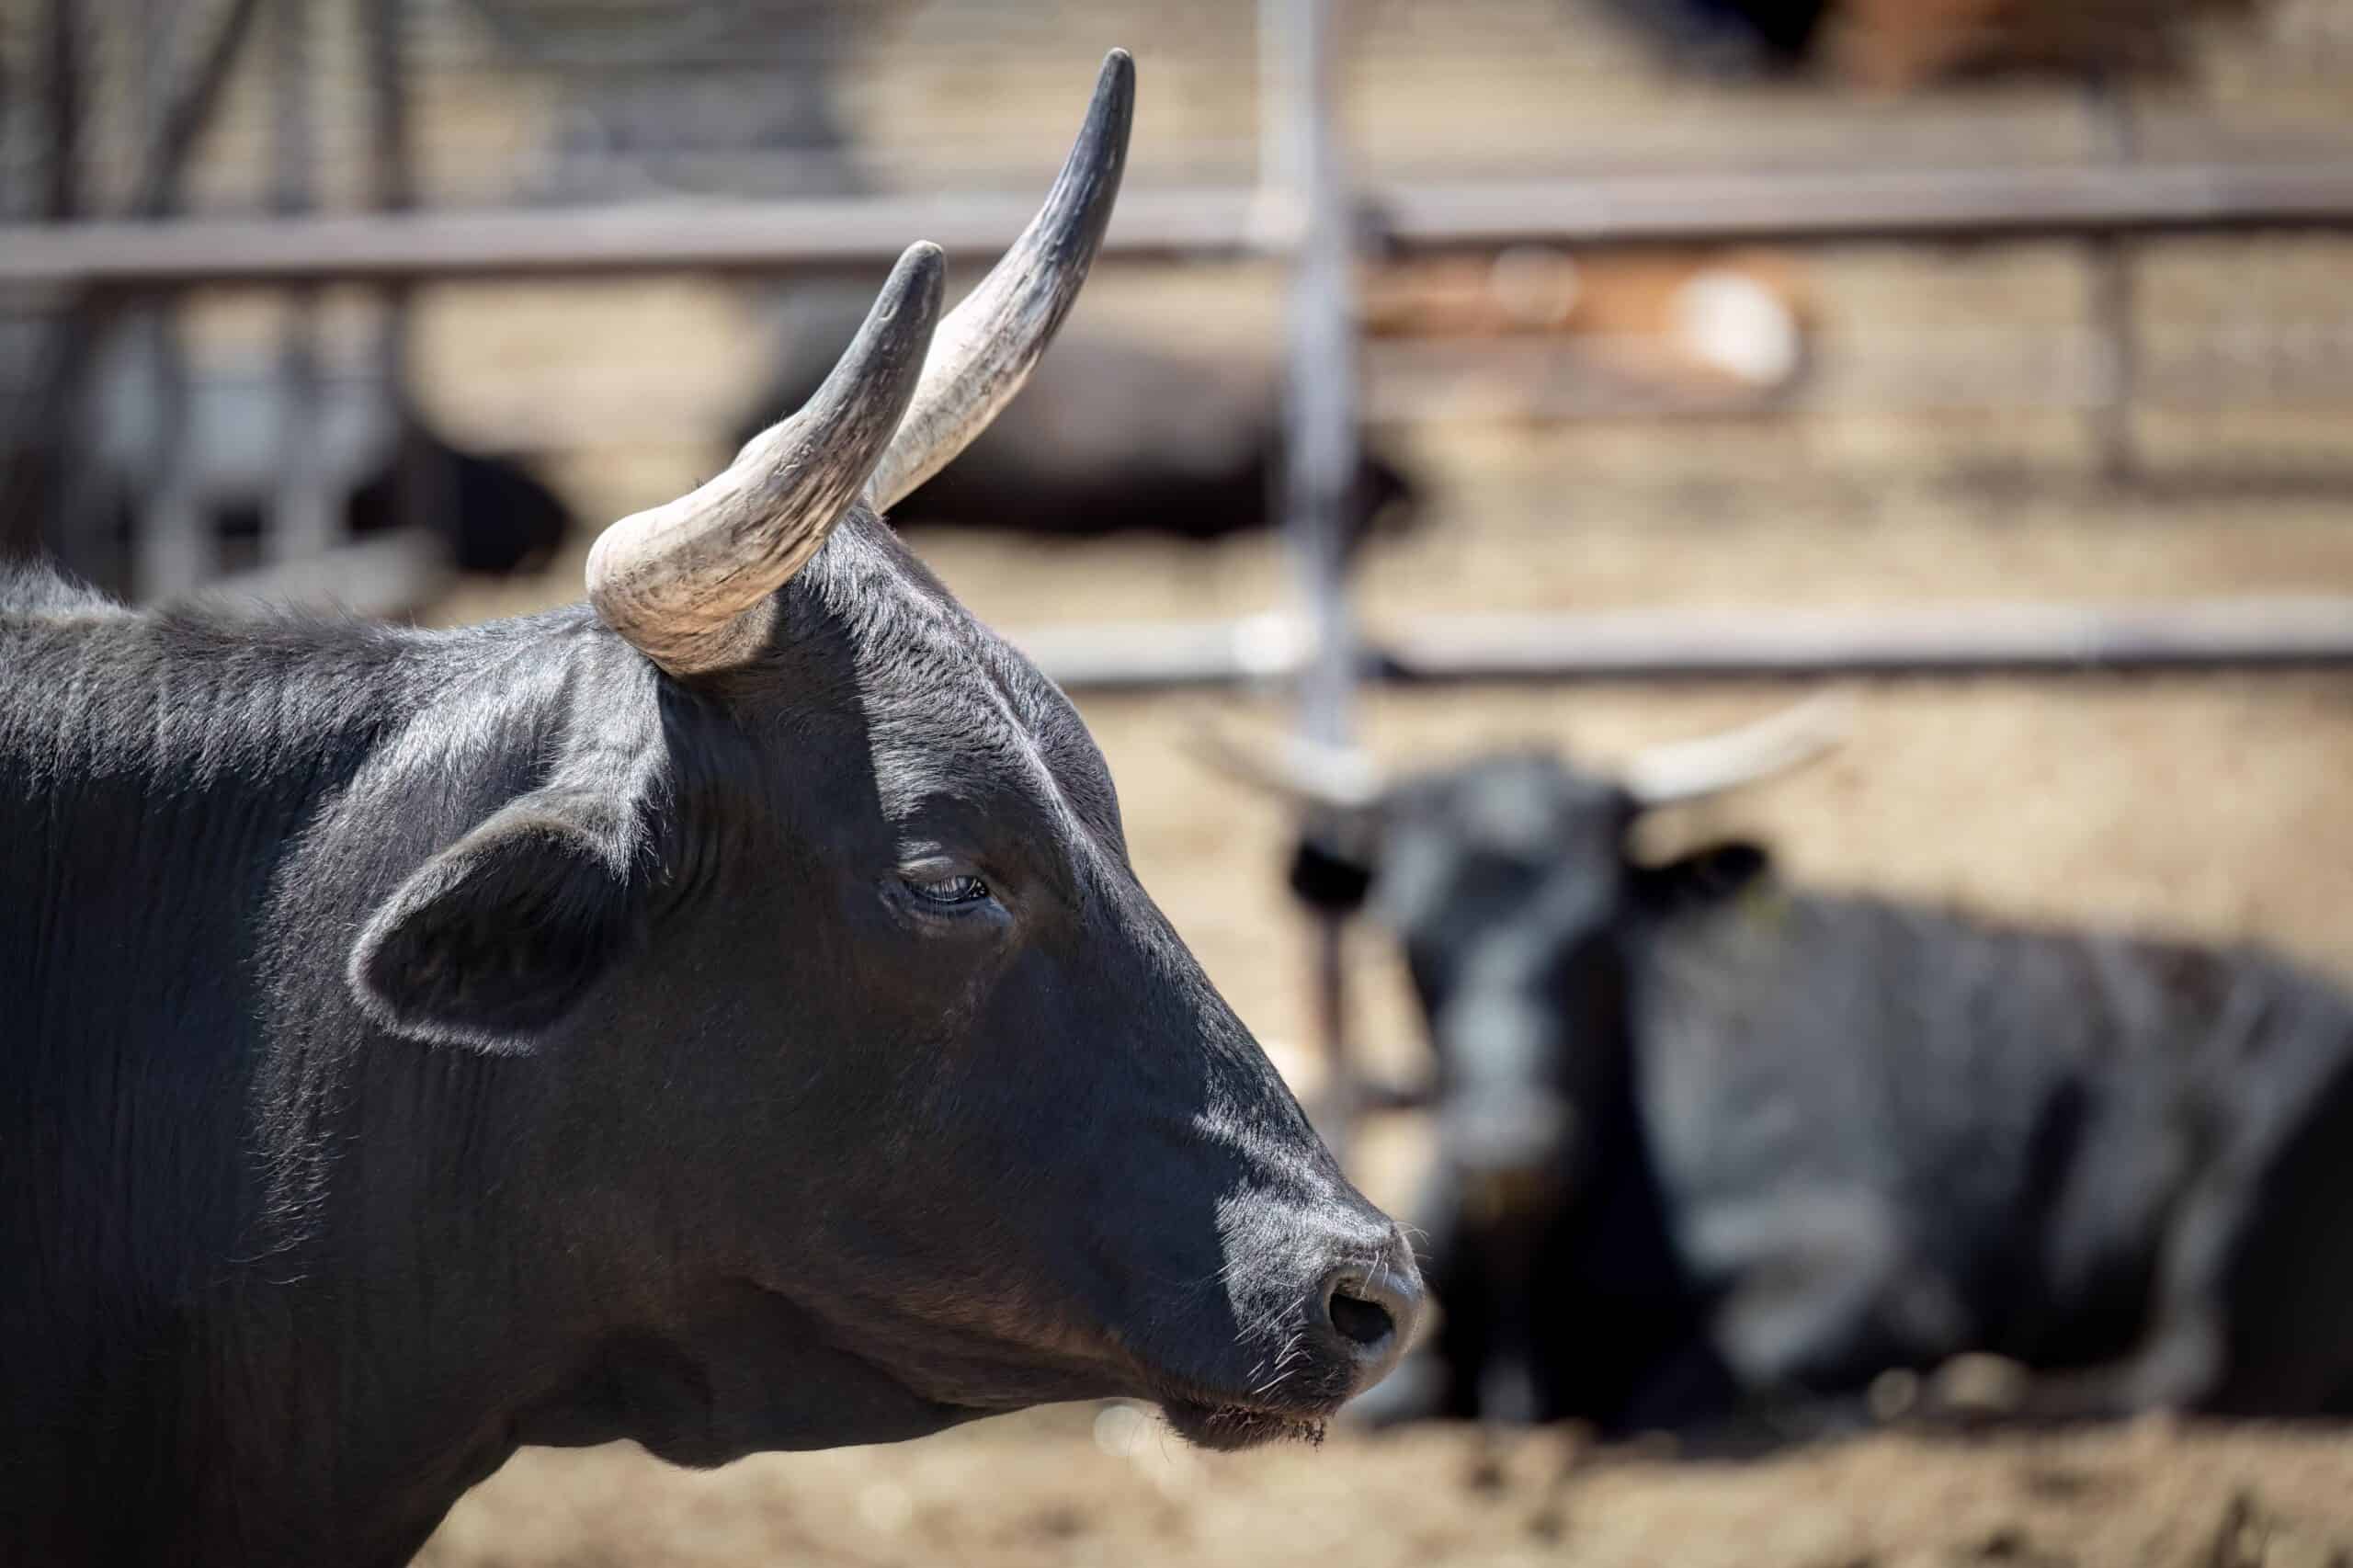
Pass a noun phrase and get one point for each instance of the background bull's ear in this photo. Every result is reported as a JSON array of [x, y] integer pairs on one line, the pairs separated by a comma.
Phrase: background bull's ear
[[1706, 876], [495, 938], [1330, 876]]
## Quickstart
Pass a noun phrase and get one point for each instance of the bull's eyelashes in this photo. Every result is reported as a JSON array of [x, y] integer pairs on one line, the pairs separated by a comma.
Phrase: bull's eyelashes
[[497, 936], [948, 892], [937, 891]]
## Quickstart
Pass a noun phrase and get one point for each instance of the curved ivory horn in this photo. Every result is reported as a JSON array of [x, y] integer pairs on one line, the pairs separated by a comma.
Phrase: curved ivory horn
[[1340, 778], [682, 581], [989, 343], [1682, 770]]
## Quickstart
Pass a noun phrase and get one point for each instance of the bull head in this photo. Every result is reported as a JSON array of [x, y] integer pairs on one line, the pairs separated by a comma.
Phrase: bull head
[[1510, 883], [1504, 879], [835, 881]]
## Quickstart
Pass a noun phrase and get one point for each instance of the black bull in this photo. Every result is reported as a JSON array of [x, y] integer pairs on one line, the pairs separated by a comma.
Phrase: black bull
[[724, 1017], [1710, 1145], [1113, 436]]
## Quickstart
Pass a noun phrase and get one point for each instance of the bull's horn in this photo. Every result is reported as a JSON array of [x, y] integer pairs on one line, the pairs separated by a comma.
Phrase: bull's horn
[[989, 343], [688, 581], [1304, 771], [1710, 764]]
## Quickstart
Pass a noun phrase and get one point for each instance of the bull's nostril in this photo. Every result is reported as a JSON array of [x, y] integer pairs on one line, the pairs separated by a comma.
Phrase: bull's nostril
[[1365, 1313], [1361, 1322]]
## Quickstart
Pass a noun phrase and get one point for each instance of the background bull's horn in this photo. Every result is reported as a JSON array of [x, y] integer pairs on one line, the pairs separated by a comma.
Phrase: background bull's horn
[[1335, 778], [1710, 764], [989, 343], [688, 583]]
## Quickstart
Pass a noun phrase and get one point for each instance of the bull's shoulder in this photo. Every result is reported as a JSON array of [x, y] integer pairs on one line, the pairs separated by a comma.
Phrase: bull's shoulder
[[2091, 991], [2120, 966]]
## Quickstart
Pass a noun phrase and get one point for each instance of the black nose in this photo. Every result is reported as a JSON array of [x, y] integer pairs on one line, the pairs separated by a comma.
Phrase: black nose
[[1367, 1313]]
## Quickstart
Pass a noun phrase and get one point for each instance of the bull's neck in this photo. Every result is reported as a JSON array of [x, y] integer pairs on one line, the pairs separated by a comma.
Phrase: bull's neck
[[352, 1384], [276, 1276]]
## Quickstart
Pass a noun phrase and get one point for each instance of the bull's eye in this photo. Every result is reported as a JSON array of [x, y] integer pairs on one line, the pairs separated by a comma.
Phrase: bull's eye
[[963, 889]]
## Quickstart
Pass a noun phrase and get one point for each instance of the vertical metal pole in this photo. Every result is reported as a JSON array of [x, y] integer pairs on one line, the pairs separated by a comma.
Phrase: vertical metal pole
[[394, 170], [173, 549], [47, 467], [1280, 194], [300, 525], [395, 191], [174, 552], [184, 117], [62, 113], [2114, 293], [1320, 446], [41, 438]]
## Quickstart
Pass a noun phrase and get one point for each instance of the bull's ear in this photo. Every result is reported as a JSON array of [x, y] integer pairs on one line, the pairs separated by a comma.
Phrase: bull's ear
[[1711, 875], [496, 938], [1329, 875]]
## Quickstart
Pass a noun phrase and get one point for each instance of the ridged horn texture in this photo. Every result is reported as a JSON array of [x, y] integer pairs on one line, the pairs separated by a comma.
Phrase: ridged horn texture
[[689, 583], [989, 343]]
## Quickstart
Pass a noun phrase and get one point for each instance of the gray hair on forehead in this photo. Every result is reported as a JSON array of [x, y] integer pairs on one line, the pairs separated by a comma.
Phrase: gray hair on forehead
[[953, 710], [1519, 810]]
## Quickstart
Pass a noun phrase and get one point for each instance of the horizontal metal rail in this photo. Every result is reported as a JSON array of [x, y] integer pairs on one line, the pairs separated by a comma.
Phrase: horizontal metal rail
[[1953, 204], [423, 246], [1955, 639], [1817, 206], [399, 573]]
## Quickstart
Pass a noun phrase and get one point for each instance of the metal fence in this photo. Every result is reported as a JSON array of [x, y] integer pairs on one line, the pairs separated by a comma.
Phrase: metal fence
[[112, 105], [106, 139]]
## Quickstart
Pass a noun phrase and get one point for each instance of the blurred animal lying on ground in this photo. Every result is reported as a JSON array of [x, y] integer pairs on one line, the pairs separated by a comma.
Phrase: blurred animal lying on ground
[[490, 511], [1730, 36], [1117, 437], [1896, 45], [1710, 1143], [486, 512], [1114, 437], [721, 1014]]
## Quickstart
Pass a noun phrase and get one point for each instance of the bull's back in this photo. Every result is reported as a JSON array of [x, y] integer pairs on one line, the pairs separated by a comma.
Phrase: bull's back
[[2022, 1111]]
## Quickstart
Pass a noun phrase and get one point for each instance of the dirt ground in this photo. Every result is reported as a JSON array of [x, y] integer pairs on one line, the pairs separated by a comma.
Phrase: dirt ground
[[2214, 805], [1082, 1488], [1940, 449], [2219, 806]]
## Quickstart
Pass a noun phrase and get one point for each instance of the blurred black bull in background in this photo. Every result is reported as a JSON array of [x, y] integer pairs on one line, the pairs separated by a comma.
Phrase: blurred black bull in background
[[1730, 35], [1710, 1145], [1110, 437], [484, 511], [1897, 45], [489, 512]]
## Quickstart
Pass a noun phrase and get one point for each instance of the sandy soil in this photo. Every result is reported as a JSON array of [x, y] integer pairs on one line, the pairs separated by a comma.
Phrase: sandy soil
[[2212, 805], [1082, 1488], [2215, 805], [1942, 452]]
